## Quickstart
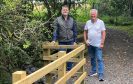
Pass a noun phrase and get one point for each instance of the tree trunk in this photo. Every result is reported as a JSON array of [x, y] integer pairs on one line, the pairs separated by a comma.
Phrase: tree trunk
[[132, 11], [93, 5], [65, 2], [54, 6], [48, 8], [70, 2], [49, 15]]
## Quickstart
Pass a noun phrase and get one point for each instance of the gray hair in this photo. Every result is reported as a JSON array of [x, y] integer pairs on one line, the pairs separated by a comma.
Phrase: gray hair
[[94, 10]]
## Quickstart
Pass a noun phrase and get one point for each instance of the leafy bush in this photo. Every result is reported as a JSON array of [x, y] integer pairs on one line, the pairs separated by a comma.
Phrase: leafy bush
[[83, 15], [121, 20], [125, 21], [80, 14], [20, 41], [39, 15], [108, 19], [128, 29]]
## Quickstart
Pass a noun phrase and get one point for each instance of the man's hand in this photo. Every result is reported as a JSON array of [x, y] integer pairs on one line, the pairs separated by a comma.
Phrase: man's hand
[[87, 43], [86, 37], [102, 45], [74, 43], [103, 39], [52, 43]]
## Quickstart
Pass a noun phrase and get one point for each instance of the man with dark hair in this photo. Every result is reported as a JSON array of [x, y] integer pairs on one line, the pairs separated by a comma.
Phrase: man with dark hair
[[65, 30]]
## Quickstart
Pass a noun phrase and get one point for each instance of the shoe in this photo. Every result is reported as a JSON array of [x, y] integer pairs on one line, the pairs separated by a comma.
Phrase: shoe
[[93, 74], [100, 77], [68, 69]]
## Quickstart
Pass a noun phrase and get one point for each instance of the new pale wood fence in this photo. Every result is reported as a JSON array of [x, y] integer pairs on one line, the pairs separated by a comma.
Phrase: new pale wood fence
[[56, 64]]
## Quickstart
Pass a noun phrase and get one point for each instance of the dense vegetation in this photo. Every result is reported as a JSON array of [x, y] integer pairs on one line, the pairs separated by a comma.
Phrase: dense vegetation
[[25, 24]]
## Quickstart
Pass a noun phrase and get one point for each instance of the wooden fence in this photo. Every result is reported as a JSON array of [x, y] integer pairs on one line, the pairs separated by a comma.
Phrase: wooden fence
[[56, 64]]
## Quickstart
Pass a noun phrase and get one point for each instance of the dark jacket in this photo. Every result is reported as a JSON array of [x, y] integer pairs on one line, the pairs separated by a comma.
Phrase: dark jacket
[[65, 31]]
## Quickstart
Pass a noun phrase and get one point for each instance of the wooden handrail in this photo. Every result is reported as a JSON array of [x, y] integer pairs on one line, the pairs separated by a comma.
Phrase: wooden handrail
[[50, 58], [56, 46]]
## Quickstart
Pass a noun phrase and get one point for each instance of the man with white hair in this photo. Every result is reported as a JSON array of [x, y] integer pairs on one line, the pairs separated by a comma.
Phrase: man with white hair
[[94, 37]]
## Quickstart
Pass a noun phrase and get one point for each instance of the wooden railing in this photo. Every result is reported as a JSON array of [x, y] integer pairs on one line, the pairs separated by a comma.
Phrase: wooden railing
[[56, 64]]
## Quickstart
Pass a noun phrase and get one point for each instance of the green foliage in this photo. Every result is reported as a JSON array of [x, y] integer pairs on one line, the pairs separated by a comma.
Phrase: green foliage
[[21, 39], [125, 21], [116, 12], [108, 19], [121, 20], [39, 15], [6, 5], [128, 29], [83, 15], [80, 14]]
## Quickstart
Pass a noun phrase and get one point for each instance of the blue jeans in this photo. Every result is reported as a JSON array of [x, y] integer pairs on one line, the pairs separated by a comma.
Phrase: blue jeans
[[96, 55], [69, 64]]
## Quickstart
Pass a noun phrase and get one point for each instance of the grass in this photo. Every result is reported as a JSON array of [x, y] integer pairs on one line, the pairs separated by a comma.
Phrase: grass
[[128, 29]]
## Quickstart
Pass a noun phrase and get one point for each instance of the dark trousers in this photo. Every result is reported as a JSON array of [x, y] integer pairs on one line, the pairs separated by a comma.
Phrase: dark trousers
[[69, 64]]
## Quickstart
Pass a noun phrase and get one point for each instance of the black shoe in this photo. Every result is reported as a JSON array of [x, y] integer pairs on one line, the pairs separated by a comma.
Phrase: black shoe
[[101, 77]]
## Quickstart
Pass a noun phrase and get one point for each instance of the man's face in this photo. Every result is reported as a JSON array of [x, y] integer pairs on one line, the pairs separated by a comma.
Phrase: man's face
[[93, 15], [65, 11]]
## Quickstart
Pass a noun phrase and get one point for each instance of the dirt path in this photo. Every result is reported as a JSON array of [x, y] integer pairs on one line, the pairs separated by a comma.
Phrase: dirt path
[[118, 59]]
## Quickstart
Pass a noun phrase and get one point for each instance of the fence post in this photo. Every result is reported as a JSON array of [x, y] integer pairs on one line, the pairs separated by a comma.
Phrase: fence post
[[62, 68], [18, 75], [46, 52], [83, 68]]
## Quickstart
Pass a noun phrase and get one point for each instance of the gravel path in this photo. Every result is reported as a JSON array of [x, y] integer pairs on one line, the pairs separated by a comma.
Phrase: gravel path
[[118, 59]]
